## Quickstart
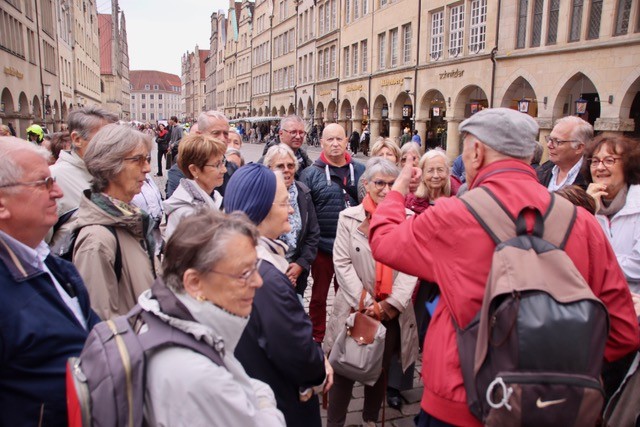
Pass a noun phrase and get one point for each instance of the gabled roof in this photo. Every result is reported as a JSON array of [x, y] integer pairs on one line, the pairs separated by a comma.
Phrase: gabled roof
[[105, 29], [165, 81], [203, 57]]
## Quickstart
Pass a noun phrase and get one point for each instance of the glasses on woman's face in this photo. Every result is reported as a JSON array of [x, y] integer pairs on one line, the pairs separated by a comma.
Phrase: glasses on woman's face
[[285, 204], [244, 276], [218, 165], [141, 159], [380, 184], [608, 161], [284, 166]]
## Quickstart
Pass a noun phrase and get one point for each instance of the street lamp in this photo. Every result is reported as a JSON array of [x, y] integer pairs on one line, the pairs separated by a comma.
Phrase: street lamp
[[407, 89]]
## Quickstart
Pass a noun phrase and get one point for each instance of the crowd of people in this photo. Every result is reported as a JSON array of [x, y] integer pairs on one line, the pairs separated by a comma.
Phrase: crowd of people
[[227, 253]]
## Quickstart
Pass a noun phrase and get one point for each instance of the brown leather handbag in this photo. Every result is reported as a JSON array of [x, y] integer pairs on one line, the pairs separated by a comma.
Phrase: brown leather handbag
[[358, 349]]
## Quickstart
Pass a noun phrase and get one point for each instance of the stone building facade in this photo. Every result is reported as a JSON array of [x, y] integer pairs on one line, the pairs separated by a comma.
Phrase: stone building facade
[[194, 83], [155, 96]]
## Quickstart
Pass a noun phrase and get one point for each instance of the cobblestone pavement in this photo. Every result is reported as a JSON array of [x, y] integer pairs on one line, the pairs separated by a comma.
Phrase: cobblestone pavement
[[411, 407]]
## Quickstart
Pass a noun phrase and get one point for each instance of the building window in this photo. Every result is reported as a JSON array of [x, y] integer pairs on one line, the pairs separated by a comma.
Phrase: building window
[[146, 87], [143, 96], [437, 33], [151, 96], [155, 87], [382, 60], [346, 61], [383, 3], [522, 24], [333, 61], [347, 10], [327, 18], [552, 32], [354, 54], [133, 97], [144, 116], [576, 20], [456, 30], [144, 105], [393, 41], [160, 96], [356, 9], [151, 106], [478, 25], [536, 34], [321, 20], [160, 106], [334, 14], [365, 7], [595, 15], [320, 65], [365, 59], [406, 43], [623, 15], [152, 116]]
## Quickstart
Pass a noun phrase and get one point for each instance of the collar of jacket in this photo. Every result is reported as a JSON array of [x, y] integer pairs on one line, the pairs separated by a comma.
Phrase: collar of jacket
[[169, 303], [19, 268], [502, 166]]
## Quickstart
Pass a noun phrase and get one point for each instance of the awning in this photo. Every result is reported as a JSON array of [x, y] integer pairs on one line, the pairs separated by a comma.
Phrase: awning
[[255, 120]]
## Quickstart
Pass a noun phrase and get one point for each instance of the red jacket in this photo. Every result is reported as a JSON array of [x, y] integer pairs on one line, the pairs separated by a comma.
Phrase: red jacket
[[454, 251]]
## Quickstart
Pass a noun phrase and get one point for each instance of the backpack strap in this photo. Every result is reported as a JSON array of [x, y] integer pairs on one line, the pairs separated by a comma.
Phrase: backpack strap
[[490, 214], [559, 220], [161, 334], [117, 263]]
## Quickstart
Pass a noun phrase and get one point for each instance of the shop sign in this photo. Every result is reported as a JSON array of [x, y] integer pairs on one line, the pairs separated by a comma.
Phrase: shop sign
[[324, 93], [354, 88], [10, 71], [392, 82], [451, 74]]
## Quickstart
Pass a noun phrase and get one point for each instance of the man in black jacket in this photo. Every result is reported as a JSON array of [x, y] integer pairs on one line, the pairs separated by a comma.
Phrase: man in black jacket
[[566, 143]]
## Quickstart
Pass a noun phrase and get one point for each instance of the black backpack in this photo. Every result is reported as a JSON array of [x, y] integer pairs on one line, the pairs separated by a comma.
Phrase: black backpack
[[533, 354], [106, 383]]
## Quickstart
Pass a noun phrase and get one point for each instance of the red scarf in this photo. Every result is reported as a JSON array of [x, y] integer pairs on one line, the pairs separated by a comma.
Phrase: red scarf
[[384, 274]]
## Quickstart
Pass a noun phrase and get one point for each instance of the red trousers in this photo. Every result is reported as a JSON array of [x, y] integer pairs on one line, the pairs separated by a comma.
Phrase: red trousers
[[322, 272]]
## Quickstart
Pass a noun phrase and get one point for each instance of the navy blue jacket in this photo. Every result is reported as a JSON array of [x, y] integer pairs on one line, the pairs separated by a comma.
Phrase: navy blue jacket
[[38, 333], [329, 199], [277, 348]]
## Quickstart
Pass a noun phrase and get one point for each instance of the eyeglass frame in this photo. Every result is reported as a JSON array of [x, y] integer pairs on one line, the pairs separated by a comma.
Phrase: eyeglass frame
[[613, 160], [223, 161], [138, 158], [48, 183], [380, 184], [244, 277], [300, 133], [555, 142]]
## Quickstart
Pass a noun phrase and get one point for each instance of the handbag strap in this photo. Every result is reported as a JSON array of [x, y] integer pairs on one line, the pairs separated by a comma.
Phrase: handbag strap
[[376, 306]]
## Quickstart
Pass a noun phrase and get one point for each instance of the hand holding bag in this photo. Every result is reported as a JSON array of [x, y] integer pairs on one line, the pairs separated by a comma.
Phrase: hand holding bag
[[357, 351]]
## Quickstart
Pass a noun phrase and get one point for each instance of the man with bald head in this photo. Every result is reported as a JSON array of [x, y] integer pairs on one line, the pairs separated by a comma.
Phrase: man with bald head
[[333, 181]]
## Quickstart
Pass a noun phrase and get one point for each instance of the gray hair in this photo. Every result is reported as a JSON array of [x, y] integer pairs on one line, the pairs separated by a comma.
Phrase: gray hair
[[581, 130], [206, 118], [409, 146], [291, 119], [380, 165], [200, 241], [10, 171], [86, 120], [422, 190], [277, 151], [106, 151], [381, 143]]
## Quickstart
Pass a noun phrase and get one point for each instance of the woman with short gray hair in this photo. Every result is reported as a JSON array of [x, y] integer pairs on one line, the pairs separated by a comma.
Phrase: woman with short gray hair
[[114, 248]]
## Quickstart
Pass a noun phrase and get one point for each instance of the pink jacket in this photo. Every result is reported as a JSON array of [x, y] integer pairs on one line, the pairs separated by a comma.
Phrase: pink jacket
[[448, 246]]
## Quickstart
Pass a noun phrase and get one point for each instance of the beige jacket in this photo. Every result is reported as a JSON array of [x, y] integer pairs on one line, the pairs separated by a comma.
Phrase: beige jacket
[[94, 256], [355, 270]]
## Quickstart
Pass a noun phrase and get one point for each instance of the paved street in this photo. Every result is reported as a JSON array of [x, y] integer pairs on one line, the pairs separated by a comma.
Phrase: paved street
[[404, 418]]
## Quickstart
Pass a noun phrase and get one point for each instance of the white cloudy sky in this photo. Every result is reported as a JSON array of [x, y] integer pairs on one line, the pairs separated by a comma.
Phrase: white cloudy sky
[[161, 31]]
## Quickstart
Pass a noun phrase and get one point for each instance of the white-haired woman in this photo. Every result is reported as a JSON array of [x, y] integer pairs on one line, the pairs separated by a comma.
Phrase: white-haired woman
[[305, 232], [436, 181], [114, 249], [383, 147], [356, 270]]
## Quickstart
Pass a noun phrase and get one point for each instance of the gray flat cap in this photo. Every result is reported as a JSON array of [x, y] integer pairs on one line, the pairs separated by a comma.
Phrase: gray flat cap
[[507, 131]]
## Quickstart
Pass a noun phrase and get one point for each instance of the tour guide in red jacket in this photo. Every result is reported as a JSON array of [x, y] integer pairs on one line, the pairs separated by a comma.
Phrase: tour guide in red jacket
[[446, 245]]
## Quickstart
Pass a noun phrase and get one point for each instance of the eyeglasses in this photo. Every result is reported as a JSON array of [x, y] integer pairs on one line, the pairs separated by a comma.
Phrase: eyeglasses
[[141, 159], [218, 133], [555, 142], [47, 183], [283, 204], [299, 133], [380, 184], [607, 161], [282, 166], [244, 277], [219, 164]]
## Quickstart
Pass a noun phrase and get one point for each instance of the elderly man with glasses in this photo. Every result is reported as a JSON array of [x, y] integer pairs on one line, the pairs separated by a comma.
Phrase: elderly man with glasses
[[45, 312], [566, 143], [293, 135]]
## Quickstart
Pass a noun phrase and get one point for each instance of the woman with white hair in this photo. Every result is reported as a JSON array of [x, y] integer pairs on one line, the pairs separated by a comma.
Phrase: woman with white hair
[[436, 181], [302, 240], [114, 249]]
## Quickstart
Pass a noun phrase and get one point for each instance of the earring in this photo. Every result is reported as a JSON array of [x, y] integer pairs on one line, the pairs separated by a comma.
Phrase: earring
[[196, 177], [201, 298]]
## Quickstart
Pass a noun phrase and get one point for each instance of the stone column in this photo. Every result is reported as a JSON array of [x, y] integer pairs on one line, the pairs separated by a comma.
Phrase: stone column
[[374, 128], [395, 131], [453, 137], [421, 127]]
